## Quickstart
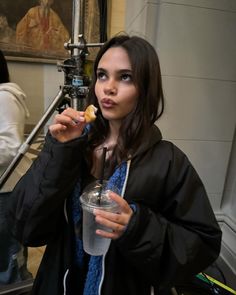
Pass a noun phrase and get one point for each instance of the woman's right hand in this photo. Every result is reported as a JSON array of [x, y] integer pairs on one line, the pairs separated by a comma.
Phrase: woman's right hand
[[68, 125]]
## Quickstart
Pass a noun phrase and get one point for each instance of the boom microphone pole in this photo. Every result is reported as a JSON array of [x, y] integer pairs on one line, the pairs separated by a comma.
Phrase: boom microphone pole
[[76, 82], [73, 92]]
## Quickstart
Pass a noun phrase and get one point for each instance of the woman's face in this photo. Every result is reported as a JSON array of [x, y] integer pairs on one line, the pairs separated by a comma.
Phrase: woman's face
[[115, 90]]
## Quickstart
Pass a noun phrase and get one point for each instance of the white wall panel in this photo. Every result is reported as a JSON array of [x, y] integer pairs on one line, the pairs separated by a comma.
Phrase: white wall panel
[[210, 159], [197, 42], [199, 109], [229, 5], [215, 200], [134, 10]]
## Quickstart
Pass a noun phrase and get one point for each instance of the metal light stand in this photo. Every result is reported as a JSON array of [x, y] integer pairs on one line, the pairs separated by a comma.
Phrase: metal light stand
[[72, 93]]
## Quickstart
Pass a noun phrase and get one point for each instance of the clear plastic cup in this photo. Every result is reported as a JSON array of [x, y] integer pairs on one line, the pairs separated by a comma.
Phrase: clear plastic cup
[[96, 196]]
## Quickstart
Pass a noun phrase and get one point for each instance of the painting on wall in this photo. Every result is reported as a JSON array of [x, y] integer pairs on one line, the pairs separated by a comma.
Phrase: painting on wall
[[37, 29]]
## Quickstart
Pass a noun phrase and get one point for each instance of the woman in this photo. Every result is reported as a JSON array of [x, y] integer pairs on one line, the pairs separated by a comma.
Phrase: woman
[[13, 113], [165, 231]]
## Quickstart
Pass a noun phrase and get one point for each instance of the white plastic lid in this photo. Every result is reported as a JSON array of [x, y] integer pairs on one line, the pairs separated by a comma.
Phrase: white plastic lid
[[96, 195]]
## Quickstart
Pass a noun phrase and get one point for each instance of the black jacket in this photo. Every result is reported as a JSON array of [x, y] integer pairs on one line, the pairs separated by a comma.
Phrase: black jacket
[[172, 235]]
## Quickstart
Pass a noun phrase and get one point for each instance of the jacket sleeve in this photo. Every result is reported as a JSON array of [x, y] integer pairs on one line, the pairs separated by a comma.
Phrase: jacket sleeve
[[36, 208], [181, 237]]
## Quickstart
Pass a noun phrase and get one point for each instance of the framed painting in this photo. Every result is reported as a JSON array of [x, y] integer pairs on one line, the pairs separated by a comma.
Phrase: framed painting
[[36, 30]]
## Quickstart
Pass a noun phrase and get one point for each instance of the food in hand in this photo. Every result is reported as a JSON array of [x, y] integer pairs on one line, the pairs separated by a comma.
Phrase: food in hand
[[90, 113]]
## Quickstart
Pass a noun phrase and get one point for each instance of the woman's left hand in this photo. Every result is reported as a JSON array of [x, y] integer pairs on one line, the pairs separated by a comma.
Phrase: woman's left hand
[[117, 222]]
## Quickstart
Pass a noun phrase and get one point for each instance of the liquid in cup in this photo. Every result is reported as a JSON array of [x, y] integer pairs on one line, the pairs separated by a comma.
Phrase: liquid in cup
[[92, 243]]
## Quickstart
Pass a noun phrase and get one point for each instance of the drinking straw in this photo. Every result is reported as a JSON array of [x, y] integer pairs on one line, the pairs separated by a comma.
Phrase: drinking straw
[[104, 151]]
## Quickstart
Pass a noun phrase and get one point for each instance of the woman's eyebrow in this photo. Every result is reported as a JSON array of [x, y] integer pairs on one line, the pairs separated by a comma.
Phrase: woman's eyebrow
[[101, 69], [124, 71], [118, 71]]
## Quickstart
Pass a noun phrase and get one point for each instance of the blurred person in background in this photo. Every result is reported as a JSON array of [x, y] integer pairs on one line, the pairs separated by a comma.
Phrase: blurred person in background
[[13, 113]]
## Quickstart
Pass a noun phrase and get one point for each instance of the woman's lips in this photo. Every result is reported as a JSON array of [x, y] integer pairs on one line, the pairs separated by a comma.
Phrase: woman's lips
[[107, 103]]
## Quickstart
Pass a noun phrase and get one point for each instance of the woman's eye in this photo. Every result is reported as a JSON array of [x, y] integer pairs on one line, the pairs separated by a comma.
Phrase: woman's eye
[[126, 77], [101, 76]]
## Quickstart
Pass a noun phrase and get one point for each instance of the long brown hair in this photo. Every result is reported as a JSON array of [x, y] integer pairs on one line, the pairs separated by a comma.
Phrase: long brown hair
[[146, 75]]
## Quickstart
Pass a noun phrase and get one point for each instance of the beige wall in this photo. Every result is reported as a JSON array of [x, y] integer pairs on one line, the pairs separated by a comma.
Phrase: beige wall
[[40, 82], [116, 18]]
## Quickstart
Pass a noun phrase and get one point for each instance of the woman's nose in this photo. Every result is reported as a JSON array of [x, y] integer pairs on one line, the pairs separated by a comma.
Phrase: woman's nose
[[110, 87]]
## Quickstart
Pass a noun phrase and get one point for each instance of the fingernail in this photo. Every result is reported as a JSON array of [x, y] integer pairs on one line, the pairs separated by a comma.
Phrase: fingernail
[[75, 122]]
